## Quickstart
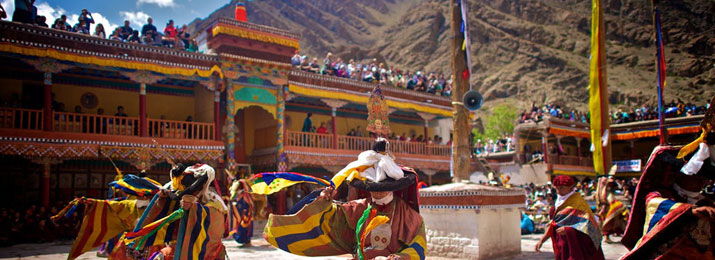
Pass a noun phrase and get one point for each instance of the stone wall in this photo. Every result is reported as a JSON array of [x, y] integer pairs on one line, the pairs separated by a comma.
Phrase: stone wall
[[472, 233]]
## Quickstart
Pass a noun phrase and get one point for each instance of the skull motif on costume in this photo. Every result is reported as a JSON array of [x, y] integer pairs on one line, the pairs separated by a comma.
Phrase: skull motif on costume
[[380, 237]]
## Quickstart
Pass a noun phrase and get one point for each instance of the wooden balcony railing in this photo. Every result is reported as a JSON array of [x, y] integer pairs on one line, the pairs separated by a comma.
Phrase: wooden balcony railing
[[95, 124], [570, 160], [19, 118], [180, 129], [314, 140], [31, 119], [354, 143]]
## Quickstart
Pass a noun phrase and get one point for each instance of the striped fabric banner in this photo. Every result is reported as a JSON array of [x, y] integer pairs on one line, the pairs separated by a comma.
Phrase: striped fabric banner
[[103, 220], [158, 208], [137, 186], [193, 234], [598, 91], [269, 182], [307, 232]]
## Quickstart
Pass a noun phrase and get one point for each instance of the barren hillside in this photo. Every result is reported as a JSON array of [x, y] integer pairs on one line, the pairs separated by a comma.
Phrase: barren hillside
[[523, 50]]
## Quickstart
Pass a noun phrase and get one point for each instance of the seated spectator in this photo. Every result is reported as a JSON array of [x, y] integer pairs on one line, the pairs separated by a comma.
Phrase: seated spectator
[[327, 64], [149, 32], [41, 20], [322, 129], [23, 11], [115, 35], [81, 27], [99, 31], [59, 25], [170, 37], [314, 67], [304, 63], [88, 19], [125, 31], [296, 60], [184, 37], [134, 37], [193, 46], [120, 111], [68, 26]]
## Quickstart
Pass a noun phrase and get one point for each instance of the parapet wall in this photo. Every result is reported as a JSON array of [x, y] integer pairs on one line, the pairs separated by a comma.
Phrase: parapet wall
[[470, 221]]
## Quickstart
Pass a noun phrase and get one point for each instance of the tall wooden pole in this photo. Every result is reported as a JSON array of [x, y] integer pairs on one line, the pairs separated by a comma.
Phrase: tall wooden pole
[[460, 85]]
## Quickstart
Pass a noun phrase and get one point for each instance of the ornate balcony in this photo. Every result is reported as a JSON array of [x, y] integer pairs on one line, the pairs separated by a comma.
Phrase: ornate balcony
[[321, 150]]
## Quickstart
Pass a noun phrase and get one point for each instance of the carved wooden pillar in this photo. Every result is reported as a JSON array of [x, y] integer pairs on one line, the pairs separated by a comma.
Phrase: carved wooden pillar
[[142, 110], [45, 178], [47, 104], [334, 104], [545, 149], [217, 115], [427, 118], [47, 67], [143, 78], [578, 149]]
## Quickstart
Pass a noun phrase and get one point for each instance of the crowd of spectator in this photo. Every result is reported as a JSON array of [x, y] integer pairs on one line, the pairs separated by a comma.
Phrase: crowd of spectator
[[172, 36], [434, 83], [503, 144], [646, 112], [537, 114], [33, 225], [618, 115]]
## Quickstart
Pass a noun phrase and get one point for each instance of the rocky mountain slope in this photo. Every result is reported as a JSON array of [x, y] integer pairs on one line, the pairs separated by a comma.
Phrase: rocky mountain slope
[[524, 51]]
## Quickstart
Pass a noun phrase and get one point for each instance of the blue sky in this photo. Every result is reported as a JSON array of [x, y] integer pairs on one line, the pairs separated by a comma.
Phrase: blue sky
[[112, 13]]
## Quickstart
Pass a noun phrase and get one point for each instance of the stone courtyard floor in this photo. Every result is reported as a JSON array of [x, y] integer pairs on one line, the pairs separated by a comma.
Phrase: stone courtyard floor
[[262, 250]]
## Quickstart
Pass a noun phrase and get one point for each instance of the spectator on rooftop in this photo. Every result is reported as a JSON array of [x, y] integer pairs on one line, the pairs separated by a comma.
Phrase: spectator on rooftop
[[23, 11], [81, 27], [88, 19], [99, 31], [149, 32], [304, 63], [184, 36], [125, 31], [296, 59], [41, 20], [314, 67], [170, 35], [68, 27], [327, 64], [193, 46], [115, 35], [59, 25], [134, 37]]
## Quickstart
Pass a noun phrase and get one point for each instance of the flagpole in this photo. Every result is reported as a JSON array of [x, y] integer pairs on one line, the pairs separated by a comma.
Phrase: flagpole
[[660, 72], [460, 162]]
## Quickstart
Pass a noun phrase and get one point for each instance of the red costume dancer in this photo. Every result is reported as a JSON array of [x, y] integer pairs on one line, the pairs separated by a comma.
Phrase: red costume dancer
[[573, 229], [671, 218], [612, 212]]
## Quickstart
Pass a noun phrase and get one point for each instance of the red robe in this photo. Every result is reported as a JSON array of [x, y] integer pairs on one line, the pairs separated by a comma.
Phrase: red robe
[[580, 231]]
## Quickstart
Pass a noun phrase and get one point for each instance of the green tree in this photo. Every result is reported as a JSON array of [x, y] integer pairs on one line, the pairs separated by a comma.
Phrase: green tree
[[499, 121]]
